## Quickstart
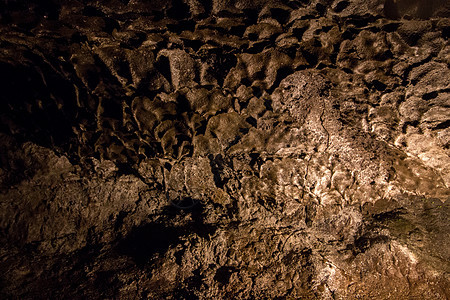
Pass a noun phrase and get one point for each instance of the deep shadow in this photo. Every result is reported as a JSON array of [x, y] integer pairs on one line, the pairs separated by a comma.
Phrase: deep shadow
[[223, 274], [145, 241]]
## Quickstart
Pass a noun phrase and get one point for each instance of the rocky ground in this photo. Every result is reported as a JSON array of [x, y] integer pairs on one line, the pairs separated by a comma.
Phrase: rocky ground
[[225, 149]]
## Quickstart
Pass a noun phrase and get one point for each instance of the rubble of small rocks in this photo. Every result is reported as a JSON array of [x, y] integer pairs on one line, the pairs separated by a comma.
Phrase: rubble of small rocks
[[193, 149]]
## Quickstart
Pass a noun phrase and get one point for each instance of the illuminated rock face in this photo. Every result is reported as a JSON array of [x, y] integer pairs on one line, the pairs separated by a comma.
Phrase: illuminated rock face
[[224, 149]]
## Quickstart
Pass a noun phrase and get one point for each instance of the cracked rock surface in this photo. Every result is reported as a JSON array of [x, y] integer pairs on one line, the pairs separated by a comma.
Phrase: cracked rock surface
[[193, 149]]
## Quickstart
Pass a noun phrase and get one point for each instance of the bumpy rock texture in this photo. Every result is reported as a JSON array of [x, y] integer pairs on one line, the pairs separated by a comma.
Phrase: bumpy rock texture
[[225, 149]]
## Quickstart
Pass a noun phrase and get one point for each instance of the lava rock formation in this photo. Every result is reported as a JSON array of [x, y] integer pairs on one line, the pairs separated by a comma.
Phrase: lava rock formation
[[229, 149]]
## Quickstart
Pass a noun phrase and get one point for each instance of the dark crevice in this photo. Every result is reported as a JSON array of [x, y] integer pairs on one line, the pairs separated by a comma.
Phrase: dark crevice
[[364, 243], [280, 15], [282, 73], [429, 96], [341, 6], [443, 125], [251, 16], [179, 10], [223, 274], [217, 166], [185, 25], [163, 66], [258, 47], [145, 241]]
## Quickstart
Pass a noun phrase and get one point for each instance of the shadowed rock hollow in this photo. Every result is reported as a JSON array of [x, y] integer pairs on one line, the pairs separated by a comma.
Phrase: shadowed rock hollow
[[224, 149]]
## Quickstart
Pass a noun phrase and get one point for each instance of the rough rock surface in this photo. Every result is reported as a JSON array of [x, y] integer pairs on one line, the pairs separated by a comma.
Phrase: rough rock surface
[[193, 149]]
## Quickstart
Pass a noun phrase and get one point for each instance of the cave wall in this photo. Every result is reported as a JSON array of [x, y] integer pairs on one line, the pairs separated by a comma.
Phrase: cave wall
[[224, 149]]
